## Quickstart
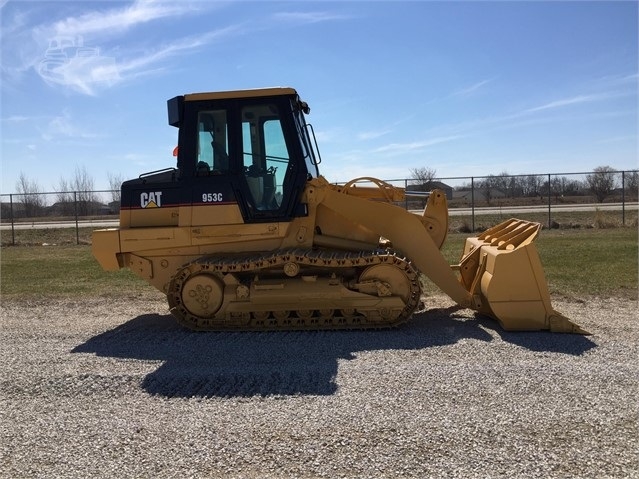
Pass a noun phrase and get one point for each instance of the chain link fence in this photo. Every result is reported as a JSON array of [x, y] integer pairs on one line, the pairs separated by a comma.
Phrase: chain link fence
[[568, 200]]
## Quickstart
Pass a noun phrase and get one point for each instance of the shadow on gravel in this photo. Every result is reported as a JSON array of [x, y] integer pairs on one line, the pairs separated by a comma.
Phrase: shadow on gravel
[[542, 341], [244, 364]]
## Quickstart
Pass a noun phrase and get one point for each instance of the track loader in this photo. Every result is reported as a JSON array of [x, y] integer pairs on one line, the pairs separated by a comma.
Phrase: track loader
[[244, 234]]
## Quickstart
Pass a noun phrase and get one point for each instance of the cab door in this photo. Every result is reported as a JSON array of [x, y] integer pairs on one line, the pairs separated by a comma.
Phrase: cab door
[[212, 195], [270, 162]]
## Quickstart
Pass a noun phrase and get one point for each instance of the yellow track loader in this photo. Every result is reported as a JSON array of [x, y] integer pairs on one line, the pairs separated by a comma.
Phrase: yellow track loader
[[244, 234]]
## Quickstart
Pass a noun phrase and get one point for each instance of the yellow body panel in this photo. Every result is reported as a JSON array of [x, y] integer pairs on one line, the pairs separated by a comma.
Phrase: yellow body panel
[[140, 218], [201, 215], [105, 245]]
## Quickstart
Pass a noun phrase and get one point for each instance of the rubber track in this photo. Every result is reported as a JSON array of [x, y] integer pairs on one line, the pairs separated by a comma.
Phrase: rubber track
[[325, 261]]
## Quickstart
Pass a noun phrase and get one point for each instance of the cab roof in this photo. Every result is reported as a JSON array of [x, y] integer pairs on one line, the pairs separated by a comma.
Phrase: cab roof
[[257, 92]]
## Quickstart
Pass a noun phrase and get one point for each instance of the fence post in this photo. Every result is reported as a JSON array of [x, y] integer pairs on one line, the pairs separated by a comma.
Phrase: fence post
[[623, 199], [472, 202], [405, 196], [13, 233], [549, 204], [75, 207]]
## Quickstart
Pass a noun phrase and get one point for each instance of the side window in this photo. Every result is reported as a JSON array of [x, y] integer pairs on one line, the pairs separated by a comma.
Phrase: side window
[[212, 151], [277, 157], [265, 154], [310, 155]]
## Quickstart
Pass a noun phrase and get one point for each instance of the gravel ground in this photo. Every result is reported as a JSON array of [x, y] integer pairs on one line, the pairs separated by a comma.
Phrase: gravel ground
[[106, 388]]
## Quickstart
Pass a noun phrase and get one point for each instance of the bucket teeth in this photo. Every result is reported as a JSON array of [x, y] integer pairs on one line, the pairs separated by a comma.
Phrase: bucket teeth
[[561, 324]]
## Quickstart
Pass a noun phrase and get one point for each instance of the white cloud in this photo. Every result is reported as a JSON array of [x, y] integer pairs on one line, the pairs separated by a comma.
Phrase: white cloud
[[79, 51], [620, 80], [15, 119], [136, 65], [91, 72], [569, 101], [371, 135], [307, 17], [74, 51], [618, 139], [415, 145], [62, 126], [109, 21], [471, 89]]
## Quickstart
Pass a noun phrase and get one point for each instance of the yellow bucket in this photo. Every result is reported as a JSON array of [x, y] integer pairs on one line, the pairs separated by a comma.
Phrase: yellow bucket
[[502, 271]]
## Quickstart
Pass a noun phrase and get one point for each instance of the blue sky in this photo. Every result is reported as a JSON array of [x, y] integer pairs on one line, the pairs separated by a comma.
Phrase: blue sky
[[464, 88]]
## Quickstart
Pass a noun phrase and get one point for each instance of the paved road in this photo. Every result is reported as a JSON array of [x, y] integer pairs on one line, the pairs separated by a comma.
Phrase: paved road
[[62, 224], [544, 208], [453, 212]]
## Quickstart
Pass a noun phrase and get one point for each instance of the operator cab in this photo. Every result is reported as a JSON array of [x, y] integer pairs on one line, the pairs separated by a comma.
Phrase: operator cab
[[252, 147]]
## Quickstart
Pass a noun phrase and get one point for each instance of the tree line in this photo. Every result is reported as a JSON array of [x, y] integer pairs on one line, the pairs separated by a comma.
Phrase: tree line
[[600, 183], [74, 195]]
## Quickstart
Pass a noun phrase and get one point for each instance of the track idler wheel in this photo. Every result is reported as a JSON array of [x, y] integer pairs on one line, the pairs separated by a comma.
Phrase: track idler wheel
[[202, 295], [388, 280], [385, 280]]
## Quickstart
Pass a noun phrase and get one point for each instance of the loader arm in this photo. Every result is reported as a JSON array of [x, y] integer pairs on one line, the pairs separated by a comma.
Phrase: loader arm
[[499, 274], [408, 232]]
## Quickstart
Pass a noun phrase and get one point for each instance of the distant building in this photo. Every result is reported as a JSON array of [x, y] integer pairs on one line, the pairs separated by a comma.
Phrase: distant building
[[432, 185], [466, 194]]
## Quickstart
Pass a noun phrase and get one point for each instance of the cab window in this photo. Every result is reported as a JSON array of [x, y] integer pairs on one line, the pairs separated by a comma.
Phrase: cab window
[[212, 142], [265, 155]]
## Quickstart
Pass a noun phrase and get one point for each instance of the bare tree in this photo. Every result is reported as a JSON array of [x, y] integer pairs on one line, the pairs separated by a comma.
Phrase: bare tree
[[115, 182], [557, 186], [83, 184], [64, 197], [77, 192], [30, 196], [423, 175], [532, 185], [601, 182], [505, 183], [488, 186], [631, 183], [570, 187]]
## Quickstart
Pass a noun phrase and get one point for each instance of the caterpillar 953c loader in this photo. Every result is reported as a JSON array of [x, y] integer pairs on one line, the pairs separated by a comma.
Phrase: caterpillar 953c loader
[[246, 235]]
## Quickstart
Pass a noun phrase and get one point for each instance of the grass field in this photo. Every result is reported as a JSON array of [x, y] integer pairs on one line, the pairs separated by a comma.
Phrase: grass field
[[60, 271], [581, 262], [577, 263]]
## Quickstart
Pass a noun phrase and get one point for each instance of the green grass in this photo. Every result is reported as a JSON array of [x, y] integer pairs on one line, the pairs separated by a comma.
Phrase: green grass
[[577, 263], [559, 219], [580, 262], [60, 271], [597, 262], [53, 236]]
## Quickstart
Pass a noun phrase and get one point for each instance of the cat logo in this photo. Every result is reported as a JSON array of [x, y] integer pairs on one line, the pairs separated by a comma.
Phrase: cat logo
[[151, 200]]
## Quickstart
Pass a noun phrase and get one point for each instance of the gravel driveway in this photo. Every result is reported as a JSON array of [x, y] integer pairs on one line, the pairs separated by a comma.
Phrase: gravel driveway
[[114, 388]]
